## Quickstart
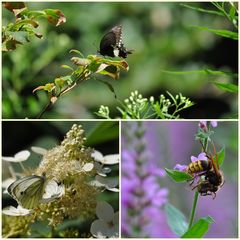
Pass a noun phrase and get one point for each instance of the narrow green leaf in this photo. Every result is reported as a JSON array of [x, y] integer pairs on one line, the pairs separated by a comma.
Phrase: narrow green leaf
[[199, 229], [202, 71], [178, 176], [229, 87], [172, 97], [220, 32], [67, 67], [176, 220], [77, 52], [109, 85], [221, 156], [232, 12], [202, 10]]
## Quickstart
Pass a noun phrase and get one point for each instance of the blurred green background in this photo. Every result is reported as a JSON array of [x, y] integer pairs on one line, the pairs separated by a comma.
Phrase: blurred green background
[[162, 38]]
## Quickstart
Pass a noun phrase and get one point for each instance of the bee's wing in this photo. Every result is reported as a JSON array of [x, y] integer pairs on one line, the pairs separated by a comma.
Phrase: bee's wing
[[27, 191]]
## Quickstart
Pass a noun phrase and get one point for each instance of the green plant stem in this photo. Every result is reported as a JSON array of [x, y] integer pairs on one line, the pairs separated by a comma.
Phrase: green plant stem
[[193, 211]]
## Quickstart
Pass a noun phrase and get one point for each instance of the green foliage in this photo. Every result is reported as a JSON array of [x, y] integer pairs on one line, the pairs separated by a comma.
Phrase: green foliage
[[104, 131], [199, 229], [220, 156], [137, 107], [228, 87], [178, 176], [83, 70], [168, 44], [219, 32], [176, 220], [178, 224], [228, 10], [26, 24]]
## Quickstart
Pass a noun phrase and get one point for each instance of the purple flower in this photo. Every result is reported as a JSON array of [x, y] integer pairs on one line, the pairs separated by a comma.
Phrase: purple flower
[[142, 196], [203, 124], [201, 156], [180, 167]]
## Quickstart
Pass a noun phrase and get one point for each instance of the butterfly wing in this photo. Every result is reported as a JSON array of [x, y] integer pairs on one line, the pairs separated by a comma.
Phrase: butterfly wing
[[112, 44], [107, 43], [28, 191]]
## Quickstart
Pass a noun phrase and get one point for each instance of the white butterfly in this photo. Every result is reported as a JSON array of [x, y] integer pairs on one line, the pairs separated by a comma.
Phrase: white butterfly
[[30, 191]]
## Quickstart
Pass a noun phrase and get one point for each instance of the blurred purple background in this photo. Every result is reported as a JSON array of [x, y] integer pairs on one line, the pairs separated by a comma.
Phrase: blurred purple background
[[169, 143]]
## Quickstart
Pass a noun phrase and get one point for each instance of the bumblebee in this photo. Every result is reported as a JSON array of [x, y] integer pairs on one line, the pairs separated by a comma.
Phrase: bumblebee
[[211, 178]]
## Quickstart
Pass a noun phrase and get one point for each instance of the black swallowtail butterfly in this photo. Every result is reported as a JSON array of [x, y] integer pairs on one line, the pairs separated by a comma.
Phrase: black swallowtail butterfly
[[112, 45]]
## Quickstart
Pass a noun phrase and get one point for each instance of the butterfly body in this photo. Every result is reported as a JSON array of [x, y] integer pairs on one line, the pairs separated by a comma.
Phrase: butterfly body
[[112, 44], [28, 191]]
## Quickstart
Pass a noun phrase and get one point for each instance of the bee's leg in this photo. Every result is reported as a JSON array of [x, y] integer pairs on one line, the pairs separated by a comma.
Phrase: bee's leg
[[214, 195], [222, 183], [191, 183], [196, 186]]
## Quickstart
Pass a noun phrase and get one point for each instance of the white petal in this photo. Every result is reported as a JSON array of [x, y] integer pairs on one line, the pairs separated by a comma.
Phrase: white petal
[[104, 211], [7, 182], [18, 157], [22, 156], [108, 183], [88, 167], [101, 180], [106, 170], [39, 150], [111, 159], [52, 191], [9, 159], [19, 211], [99, 229], [99, 167], [113, 189], [96, 183], [97, 156], [113, 232]]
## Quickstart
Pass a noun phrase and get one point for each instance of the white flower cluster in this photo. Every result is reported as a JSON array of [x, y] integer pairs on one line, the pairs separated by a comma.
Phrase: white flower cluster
[[107, 226]]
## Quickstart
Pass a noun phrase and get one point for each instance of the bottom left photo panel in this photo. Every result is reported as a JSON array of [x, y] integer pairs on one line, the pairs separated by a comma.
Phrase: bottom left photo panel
[[60, 179]]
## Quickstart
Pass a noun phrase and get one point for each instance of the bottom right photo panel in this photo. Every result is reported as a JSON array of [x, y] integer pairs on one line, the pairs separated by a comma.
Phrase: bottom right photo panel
[[179, 179]]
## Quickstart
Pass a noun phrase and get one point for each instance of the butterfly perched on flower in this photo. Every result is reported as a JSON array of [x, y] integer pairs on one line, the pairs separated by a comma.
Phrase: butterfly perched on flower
[[32, 190], [112, 44], [28, 191]]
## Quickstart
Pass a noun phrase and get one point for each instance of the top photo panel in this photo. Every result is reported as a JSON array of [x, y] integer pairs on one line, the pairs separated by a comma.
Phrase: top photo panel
[[120, 60]]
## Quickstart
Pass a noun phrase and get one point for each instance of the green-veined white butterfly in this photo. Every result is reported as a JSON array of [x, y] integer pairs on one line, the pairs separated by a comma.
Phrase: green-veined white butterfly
[[28, 191]]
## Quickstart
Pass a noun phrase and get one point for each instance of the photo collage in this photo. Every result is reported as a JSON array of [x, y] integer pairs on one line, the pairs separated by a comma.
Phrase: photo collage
[[119, 119]]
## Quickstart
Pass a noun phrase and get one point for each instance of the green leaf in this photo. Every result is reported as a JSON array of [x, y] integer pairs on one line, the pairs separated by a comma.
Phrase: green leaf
[[229, 87], [55, 16], [220, 32], [176, 220], [20, 36], [104, 131], [203, 10], [203, 71], [178, 176], [109, 85], [221, 156], [199, 229], [77, 52], [80, 61], [232, 12]]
